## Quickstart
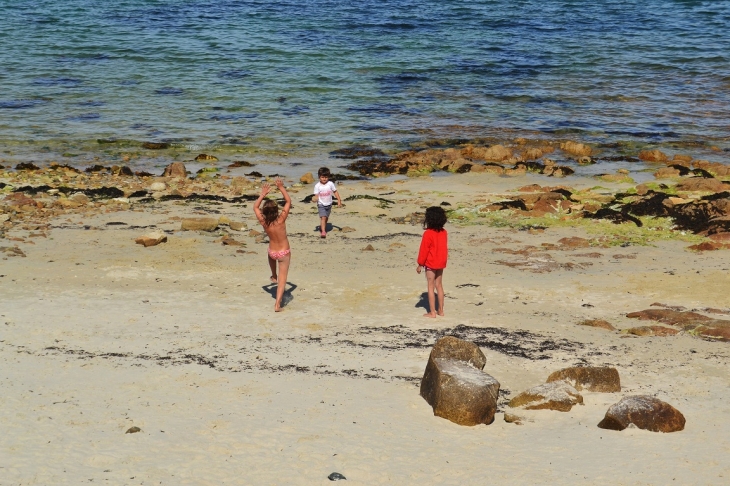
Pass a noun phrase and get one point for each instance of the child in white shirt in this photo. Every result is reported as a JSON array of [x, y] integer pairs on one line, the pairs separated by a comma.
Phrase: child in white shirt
[[324, 190]]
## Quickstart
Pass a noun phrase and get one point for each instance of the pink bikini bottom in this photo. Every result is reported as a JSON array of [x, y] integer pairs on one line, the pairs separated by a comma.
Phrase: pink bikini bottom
[[278, 255]]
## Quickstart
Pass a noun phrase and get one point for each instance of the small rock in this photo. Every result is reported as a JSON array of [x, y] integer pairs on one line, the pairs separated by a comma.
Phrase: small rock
[[176, 169], [80, 198], [224, 220], [396, 245], [600, 323], [557, 395], [369, 248], [335, 476], [644, 412], [158, 186], [4, 217], [228, 241], [576, 148], [254, 233], [307, 178], [133, 430], [206, 157], [151, 239], [659, 331], [591, 378], [653, 156], [199, 224], [348, 229], [237, 226], [511, 418], [702, 184]]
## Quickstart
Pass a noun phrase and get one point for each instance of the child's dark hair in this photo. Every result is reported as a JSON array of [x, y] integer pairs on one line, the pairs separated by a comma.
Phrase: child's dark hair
[[270, 210], [323, 171], [435, 218]]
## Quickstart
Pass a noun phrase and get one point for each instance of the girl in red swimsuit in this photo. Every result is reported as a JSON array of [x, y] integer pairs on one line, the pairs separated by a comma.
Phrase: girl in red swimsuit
[[274, 224], [432, 257]]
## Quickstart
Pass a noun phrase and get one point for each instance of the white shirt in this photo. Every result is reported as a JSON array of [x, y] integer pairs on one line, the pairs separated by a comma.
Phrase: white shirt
[[324, 192]]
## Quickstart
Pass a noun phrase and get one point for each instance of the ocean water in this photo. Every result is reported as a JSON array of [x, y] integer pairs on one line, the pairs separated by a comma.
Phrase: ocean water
[[86, 80]]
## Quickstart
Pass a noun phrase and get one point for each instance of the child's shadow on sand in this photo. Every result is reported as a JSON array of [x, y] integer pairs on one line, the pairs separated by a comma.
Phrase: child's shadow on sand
[[286, 298], [423, 302], [329, 227]]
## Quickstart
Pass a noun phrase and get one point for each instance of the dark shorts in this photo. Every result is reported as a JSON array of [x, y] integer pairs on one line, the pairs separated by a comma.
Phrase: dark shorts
[[324, 211]]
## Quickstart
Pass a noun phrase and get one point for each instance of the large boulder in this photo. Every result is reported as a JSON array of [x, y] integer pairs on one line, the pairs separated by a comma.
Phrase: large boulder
[[454, 348], [454, 385], [591, 378], [644, 412], [176, 169], [557, 395], [459, 392], [199, 224]]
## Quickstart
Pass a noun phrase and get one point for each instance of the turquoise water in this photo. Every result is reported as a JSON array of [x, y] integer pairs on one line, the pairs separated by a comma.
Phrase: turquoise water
[[277, 79]]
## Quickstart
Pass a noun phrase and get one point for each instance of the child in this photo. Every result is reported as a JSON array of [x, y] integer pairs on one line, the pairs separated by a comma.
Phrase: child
[[275, 227], [432, 256], [324, 190]]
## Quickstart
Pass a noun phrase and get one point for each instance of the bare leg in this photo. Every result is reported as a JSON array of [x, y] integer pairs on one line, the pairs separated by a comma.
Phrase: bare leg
[[430, 278], [281, 283], [272, 264], [323, 226], [440, 289]]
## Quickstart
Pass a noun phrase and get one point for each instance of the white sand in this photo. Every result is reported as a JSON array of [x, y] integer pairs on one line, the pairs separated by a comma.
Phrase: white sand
[[181, 340]]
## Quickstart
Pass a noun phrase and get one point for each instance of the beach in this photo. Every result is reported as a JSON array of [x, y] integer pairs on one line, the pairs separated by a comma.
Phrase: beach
[[100, 334]]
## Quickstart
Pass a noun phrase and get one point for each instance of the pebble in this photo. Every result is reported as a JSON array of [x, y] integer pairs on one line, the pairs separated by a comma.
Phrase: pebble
[[335, 476], [133, 430]]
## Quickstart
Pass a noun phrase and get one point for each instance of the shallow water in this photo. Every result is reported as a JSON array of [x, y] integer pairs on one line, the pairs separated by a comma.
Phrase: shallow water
[[271, 80]]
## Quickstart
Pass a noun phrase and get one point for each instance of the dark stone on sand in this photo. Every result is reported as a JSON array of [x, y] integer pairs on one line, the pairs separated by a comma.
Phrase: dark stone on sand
[[133, 430], [255, 174], [659, 331], [591, 378], [206, 157], [335, 476], [27, 166], [644, 412], [96, 168], [356, 152]]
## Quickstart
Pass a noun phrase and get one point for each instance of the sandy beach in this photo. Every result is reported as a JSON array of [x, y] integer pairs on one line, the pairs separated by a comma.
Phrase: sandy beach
[[99, 334]]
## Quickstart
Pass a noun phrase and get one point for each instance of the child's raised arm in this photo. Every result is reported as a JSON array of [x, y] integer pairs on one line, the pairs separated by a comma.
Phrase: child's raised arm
[[287, 200], [265, 188]]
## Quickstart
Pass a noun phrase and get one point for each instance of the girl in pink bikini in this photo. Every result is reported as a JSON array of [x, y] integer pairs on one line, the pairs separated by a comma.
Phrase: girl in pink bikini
[[274, 224]]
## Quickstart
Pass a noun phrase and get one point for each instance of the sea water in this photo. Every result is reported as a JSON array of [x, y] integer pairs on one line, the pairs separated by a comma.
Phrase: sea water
[[84, 80]]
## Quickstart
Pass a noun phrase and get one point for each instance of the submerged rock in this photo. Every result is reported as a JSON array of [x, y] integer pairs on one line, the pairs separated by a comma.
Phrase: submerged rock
[[644, 412]]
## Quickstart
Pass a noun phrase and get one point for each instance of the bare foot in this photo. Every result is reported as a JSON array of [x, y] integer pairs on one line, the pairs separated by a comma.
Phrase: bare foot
[[277, 307], [323, 235], [274, 279], [428, 314], [441, 314]]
